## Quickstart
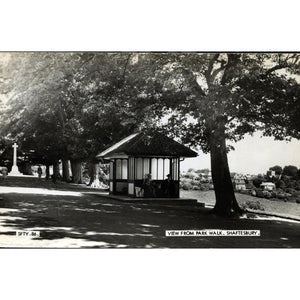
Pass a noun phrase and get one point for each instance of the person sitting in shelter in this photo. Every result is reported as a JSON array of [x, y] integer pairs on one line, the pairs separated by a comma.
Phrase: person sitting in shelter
[[167, 186], [147, 187]]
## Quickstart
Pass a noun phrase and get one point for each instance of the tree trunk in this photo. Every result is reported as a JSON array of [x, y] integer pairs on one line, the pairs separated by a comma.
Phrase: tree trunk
[[47, 171], [76, 171], [92, 171], [56, 173], [226, 204], [94, 175], [65, 170], [28, 170]]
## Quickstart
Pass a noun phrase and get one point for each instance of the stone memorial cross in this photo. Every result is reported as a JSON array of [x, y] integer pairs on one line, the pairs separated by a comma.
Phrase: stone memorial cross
[[15, 146], [14, 170]]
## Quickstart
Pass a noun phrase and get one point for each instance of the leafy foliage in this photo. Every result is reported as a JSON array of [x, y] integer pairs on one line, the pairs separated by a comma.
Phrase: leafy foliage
[[277, 169], [290, 171], [244, 92], [68, 104]]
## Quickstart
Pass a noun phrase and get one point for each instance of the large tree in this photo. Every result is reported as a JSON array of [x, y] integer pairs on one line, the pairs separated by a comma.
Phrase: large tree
[[214, 98]]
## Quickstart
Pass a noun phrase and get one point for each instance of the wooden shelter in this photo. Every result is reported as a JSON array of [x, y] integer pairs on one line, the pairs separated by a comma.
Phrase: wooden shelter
[[145, 165]]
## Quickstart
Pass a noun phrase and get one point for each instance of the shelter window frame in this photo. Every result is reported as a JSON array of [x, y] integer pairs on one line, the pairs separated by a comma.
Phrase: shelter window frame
[[175, 169], [121, 169], [158, 167], [111, 170], [131, 168]]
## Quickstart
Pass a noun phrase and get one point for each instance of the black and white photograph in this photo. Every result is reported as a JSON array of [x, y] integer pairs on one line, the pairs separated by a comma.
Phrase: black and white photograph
[[150, 150]]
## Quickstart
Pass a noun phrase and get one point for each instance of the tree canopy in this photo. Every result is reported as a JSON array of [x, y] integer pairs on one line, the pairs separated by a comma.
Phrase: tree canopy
[[277, 169], [67, 104], [290, 171]]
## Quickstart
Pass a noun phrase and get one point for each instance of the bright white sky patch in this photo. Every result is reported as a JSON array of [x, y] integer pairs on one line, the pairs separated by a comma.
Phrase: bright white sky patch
[[253, 155]]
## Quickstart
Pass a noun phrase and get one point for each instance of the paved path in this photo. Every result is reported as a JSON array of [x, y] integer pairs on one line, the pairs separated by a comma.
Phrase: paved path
[[66, 216]]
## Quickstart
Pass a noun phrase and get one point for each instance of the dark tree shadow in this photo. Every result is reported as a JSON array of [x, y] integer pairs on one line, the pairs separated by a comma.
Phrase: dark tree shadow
[[93, 221]]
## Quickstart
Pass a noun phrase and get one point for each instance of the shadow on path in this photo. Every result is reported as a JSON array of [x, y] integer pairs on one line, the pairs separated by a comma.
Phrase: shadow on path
[[78, 220]]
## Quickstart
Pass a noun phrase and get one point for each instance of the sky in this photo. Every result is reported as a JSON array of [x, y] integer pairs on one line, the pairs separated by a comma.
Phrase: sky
[[253, 155]]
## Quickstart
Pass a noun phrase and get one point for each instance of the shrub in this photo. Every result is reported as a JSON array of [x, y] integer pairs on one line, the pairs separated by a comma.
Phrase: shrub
[[267, 194], [260, 193], [246, 192], [195, 183], [250, 185], [190, 175], [291, 191], [283, 196], [291, 184], [252, 205], [257, 182], [186, 186], [204, 180], [280, 184], [204, 186], [196, 188], [185, 180]]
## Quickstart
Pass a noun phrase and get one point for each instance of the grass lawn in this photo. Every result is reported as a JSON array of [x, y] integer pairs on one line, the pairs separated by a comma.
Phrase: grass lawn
[[273, 206]]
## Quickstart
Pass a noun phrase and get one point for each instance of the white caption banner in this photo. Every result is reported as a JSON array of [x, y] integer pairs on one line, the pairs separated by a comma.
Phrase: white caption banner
[[212, 232]]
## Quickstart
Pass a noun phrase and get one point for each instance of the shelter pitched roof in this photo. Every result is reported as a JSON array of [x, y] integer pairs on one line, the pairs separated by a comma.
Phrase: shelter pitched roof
[[148, 144]]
